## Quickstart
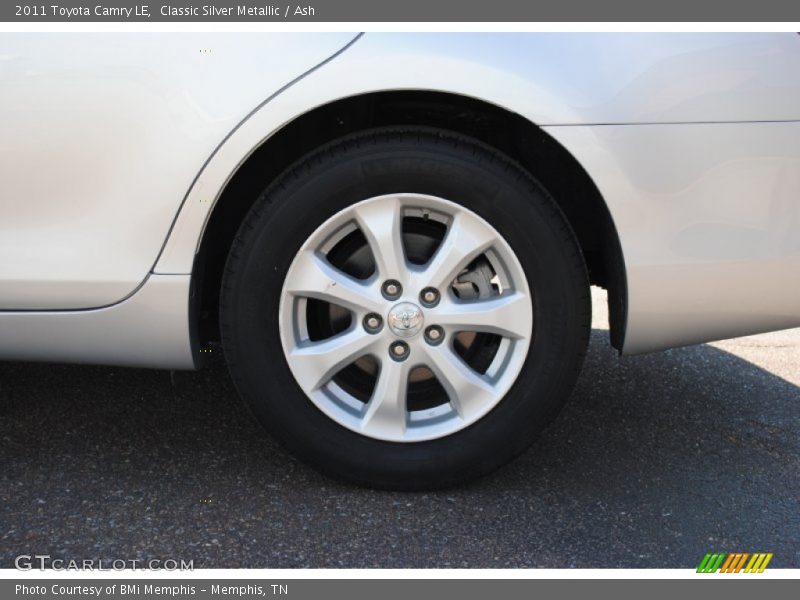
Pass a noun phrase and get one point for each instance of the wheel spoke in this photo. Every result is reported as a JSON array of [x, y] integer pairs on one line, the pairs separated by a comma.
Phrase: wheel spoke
[[508, 316], [468, 391], [315, 363], [313, 277], [381, 224], [466, 238], [385, 413]]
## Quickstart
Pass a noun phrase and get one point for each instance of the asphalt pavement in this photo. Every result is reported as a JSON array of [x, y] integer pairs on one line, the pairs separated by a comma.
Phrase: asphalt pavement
[[655, 461]]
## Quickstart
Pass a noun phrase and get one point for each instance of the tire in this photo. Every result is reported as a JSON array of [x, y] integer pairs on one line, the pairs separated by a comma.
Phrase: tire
[[457, 437]]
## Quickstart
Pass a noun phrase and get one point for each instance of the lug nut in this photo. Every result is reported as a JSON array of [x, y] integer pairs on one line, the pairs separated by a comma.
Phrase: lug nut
[[373, 323], [399, 350], [434, 335], [391, 289], [429, 297]]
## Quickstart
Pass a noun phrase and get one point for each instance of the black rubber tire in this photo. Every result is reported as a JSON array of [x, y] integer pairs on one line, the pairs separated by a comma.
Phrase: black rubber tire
[[374, 163]]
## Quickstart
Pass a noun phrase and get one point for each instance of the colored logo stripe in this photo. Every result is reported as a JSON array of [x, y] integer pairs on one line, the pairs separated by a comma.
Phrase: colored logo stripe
[[758, 563], [710, 563], [734, 562]]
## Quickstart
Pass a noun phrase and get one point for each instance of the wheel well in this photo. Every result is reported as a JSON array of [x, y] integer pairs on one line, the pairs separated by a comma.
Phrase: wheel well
[[546, 159]]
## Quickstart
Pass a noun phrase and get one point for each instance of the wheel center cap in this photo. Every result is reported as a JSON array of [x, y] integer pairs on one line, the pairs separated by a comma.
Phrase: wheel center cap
[[405, 319]]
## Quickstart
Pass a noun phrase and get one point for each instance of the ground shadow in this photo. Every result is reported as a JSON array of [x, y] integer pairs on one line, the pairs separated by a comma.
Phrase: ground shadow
[[656, 460]]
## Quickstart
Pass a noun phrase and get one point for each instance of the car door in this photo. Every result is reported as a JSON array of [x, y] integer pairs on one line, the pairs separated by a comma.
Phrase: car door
[[101, 136]]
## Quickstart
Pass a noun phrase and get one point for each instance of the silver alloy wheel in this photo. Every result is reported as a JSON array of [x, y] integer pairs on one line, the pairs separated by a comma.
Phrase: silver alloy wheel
[[506, 316]]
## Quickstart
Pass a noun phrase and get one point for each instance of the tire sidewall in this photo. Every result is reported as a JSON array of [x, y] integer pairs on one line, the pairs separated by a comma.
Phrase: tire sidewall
[[460, 171]]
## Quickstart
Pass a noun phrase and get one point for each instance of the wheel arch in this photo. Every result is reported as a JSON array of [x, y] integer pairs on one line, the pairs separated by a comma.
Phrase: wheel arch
[[555, 167]]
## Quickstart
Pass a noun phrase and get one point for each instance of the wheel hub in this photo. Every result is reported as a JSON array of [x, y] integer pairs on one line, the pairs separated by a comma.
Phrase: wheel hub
[[406, 319]]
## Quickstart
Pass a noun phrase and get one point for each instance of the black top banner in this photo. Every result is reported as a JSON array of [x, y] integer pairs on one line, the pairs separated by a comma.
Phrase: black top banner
[[402, 10]]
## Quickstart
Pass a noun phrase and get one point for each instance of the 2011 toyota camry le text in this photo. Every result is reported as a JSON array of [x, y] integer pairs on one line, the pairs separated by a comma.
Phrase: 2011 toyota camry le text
[[392, 237]]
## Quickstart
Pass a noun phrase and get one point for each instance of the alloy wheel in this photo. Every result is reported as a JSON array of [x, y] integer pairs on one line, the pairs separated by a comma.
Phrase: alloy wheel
[[405, 317]]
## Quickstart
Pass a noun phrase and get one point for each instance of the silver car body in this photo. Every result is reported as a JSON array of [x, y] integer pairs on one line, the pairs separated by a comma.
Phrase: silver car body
[[115, 149]]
